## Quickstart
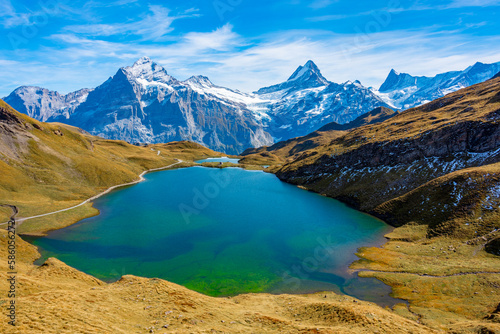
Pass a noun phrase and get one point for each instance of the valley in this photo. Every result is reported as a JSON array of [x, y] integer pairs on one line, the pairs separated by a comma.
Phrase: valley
[[432, 172], [248, 167]]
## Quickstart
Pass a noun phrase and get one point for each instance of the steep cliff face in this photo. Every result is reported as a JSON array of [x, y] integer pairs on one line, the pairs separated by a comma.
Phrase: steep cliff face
[[394, 168], [42, 104]]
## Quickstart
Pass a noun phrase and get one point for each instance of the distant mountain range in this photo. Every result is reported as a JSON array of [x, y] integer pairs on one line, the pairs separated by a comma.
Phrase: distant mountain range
[[144, 104], [404, 91]]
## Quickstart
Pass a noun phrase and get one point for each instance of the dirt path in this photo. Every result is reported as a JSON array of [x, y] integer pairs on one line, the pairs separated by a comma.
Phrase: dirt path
[[431, 276], [141, 178]]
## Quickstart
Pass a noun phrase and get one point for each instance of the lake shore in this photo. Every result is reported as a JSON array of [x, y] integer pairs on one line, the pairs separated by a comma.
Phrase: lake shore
[[198, 177], [375, 263]]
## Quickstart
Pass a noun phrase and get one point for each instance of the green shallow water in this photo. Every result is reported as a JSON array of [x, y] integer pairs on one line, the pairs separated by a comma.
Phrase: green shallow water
[[222, 232]]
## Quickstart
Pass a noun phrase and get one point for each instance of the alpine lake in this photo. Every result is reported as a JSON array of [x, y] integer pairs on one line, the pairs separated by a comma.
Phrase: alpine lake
[[223, 232]]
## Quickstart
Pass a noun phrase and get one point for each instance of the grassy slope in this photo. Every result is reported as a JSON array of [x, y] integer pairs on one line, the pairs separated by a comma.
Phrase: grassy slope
[[419, 171], [46, 167]]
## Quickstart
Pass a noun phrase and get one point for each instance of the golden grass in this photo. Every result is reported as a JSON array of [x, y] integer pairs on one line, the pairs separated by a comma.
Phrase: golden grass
[[41, 225], [472, 104], [409, 261]]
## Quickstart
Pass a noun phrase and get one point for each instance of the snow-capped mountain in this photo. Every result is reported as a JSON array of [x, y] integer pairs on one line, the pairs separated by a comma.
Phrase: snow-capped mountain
[[143, 103], [404, 91], [307, 101], [42, 104], [307, 76]]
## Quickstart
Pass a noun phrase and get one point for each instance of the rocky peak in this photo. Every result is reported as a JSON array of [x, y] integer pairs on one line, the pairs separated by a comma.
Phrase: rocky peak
[[146, 69], [397, 80], [480, 71], [199, 80], [307, 76], [309, 73], [36, 102], [142, 61]]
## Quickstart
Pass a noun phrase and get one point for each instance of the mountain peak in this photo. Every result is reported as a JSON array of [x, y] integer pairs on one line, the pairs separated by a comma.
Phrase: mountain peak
[[307, 76], [200, 80], [145, 68], [477, 67], [396, 80], [308, 72], [142, 61], [144, 64], [393, 72]]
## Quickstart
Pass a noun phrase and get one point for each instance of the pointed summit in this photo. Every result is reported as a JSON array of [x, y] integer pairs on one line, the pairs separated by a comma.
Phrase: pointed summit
[[307, 76], [397, 80], [309, 72], [142, 61], [145, 68]]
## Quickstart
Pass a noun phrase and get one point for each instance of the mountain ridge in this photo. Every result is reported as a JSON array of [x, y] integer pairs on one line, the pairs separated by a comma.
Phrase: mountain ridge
[[142, 103], [405, 91], [294, 148]]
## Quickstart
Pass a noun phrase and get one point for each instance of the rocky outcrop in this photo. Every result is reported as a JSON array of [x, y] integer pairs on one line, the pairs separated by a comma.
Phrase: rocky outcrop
[[43, 104]]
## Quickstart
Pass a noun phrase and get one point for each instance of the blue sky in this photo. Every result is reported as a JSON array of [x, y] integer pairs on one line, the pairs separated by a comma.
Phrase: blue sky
[[242, 44]]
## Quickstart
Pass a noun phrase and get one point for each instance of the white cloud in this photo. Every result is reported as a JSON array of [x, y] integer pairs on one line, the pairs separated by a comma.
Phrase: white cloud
[[10, 17], [221, 39], [248, 64], [152, 27], [473, 3]]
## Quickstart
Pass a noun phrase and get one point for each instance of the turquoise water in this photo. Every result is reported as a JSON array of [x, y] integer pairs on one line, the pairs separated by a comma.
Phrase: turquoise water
[[223, 159], [222, 232]]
